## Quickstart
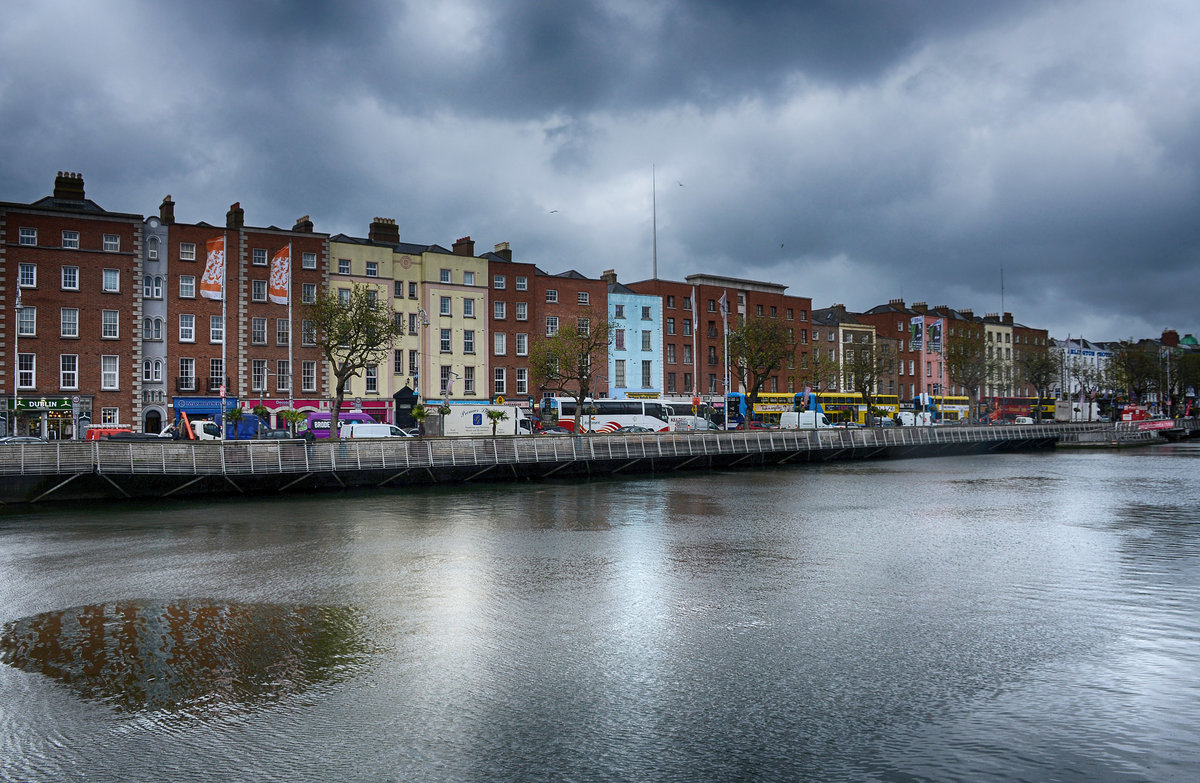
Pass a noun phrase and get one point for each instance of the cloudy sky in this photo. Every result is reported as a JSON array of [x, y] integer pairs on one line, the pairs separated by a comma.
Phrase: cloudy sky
[[1036, 156]]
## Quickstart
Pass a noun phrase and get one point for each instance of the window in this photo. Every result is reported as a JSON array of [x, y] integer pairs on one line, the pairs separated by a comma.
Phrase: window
[[583, 326], [712, 305], [583, 298], [308, 333], [712, 355], [830, 336], [70, 278], [412, 290], [551, 295], [152, 249], [398, 289], [468, 380], [444, 342], [187, 251], [712, 328], [671, 302], [308, 260], [412, 323], [687, 326], [670, 354], [468, 341], [68, 322], [498, 381], [687, 354], [28, 236], [216, 374], [111, 281], [308, 293], [522, 380], [283, 331], [283, 375], [397, 362], [619, 311], [258, 375], [687, 303], [522, 283], [499, 310], [551, 325], [445, 379], [774, 312], [343, 266], [645, 340], [790, 314], [372, 379], [27, 275], [412, 363], [444, 305], [647, 364], [468, 308], [670, 326], [152, 328], [758, 309], [216, 329], [522, 345], [187, 286], [258, 290], [108, 372], [187, 328], [372, 269], [522, 311], [68, 371], [498, 282], [70, 240], [468, 278], [26, 370], [670, 383], [619, 374], [499, 343], [619, 339], [258, 331], [152, 287], [112, 243], [110, 415], [27, 322], [646, 313], [343, 295], [308, 376], [109, 327], [187, 375]]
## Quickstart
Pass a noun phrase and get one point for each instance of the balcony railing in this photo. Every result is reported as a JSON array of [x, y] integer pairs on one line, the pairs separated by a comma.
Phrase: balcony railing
[[214, 384], [185, 383]]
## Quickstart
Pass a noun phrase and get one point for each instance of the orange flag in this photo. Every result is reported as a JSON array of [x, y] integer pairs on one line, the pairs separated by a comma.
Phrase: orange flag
[[212, 285], [281, 275]]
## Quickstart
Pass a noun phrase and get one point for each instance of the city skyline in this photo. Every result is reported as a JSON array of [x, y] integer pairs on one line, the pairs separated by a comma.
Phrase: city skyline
[[856, 154]]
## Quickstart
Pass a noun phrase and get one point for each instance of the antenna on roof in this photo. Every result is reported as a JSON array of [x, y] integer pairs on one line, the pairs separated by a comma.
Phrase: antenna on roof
[[1002, 310], [654, 218]]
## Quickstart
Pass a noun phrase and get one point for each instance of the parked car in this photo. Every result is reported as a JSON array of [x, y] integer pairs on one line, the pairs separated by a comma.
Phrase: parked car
[[1023, 420], [361, 430], [632, 429], [277, 434], [17, 440], [133, 436], [555, 430]]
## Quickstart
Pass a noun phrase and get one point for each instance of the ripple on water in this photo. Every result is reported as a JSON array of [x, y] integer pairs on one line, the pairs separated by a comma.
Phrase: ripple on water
[[187, 656]]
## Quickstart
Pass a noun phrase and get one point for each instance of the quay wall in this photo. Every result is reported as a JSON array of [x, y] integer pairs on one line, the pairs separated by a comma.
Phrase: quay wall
[[115, 470]]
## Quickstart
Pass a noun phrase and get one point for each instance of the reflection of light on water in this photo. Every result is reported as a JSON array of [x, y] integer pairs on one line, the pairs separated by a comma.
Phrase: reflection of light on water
[[145, 655]]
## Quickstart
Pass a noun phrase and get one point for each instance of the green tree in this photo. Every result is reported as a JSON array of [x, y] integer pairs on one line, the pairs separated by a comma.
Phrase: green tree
[[968, 363], [818, 370], [495, 416], [863, 365], [234, 417], [351, 332], [1134, 370], [758, 348], [292, 418], [1040, 368], [566, 363], [419, 414]]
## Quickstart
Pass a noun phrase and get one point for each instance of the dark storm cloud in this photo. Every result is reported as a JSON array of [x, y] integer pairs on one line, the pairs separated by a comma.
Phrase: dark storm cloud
[[854, 151]]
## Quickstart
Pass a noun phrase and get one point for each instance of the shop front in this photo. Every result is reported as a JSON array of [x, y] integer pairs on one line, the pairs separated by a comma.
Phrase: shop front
[[53, 418]]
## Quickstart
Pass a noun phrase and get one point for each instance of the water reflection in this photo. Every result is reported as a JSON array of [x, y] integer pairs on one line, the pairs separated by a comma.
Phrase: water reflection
[[143, 655]]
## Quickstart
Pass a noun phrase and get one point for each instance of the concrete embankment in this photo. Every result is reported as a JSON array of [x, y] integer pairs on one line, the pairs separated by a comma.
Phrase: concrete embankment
[[113, 470]]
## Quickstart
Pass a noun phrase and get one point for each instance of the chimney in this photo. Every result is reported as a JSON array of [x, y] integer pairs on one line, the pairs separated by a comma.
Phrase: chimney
[[1170, 338], [897, 303], [609, 276], [463, 246], [968, 314], [1007, 319], [166, 211], [385, 231], [920, 307], [503, 250], [303, 225], [235, 218], [68, 186]]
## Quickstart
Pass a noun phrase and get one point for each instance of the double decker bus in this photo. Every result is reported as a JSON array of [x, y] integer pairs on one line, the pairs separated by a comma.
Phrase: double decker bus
[[1009, 408], [605, 415], [951, 407], [839, 407]]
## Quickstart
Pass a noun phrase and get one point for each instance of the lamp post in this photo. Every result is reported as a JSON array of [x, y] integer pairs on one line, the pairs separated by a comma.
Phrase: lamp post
[[422, 325], [17, 308]]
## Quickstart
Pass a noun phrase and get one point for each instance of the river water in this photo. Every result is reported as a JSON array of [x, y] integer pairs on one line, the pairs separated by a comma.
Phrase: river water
[[1028, 617]]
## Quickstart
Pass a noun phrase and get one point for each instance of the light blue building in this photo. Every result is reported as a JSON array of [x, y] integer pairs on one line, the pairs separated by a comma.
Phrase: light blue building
[[635, 367]]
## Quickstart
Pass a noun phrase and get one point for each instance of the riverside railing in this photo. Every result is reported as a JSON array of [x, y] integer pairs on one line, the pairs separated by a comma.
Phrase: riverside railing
[[257, 457]]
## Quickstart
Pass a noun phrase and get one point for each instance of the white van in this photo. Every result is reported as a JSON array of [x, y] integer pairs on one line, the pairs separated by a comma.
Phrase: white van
[[1023, 420], [358, 429], [914, 419], [802, 420]]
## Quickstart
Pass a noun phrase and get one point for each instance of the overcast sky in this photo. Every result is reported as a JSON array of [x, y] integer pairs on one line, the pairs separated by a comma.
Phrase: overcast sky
[[854, 151]]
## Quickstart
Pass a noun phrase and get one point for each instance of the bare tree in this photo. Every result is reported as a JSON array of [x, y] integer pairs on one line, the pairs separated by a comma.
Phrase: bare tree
[[863, 364], [758, 349], [1040, 368], [351, 332], [567, 362], [968, 363]]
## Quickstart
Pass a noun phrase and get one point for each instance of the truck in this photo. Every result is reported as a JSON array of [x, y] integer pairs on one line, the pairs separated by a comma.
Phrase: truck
[[803, 420], [472, 420], [316, 425], [914, 418], [202, 429]]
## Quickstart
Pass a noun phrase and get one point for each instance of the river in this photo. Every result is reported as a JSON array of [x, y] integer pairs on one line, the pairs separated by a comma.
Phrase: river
[[1019, 617]]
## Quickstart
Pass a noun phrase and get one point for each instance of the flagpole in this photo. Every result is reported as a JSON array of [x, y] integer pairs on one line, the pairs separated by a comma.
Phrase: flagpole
[[291, 337], [654, 217], [224, 333]]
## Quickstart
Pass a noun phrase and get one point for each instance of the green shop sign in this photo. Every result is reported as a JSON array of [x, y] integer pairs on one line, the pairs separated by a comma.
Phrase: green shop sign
[[41, 404]]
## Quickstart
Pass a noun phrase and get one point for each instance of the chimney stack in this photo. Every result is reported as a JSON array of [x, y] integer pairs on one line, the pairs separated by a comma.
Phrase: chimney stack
[[503, 250], [920, 307], [385, 231], [609, 276], [235, 218], [1170, 338], [303, 225], [68, 186], [968, 314], [897, 303], [166, 211], [1008, 319], [463, 246]]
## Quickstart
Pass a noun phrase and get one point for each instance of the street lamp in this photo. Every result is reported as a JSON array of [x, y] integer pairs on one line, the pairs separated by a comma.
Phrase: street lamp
[[422, 325], [17, 308]]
